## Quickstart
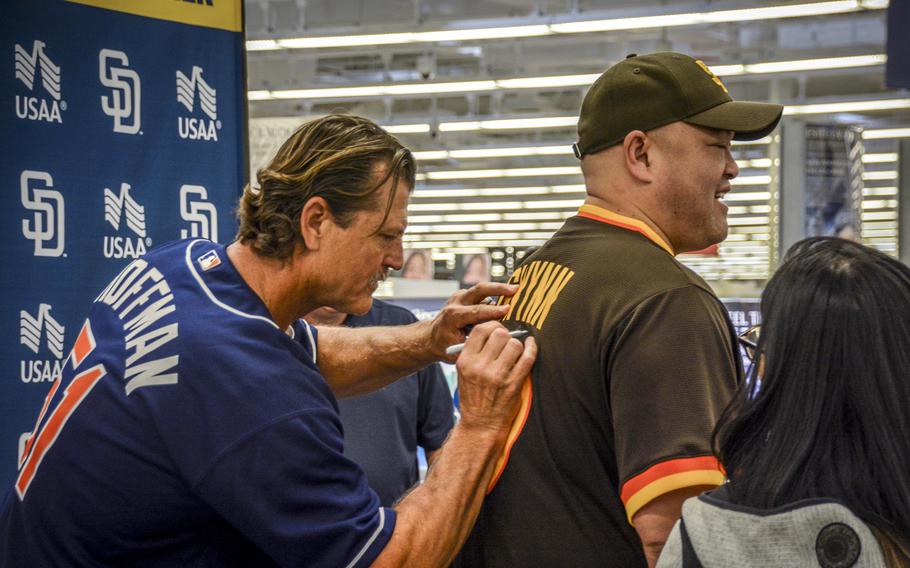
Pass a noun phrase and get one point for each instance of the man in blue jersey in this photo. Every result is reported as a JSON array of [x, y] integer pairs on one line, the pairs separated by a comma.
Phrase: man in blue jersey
[[195, 421], [382, 429]]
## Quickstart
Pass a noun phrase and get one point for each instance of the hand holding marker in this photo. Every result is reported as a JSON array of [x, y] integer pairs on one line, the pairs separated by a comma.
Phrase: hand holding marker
[[457, 348]]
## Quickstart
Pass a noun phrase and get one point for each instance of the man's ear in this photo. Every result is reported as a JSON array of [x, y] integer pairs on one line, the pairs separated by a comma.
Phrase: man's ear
[[635, 148], [314, 220]]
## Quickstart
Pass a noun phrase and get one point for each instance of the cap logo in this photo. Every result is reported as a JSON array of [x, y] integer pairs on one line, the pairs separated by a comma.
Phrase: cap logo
[[714, 77]]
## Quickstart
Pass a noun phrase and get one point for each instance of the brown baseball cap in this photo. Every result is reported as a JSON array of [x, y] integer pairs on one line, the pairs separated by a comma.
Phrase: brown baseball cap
[[644, 92]]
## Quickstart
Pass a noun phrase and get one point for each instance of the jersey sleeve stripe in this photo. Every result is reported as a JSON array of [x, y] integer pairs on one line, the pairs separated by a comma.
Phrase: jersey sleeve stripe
[[372, 539], [669, 476], [309, 333], [517, 426]]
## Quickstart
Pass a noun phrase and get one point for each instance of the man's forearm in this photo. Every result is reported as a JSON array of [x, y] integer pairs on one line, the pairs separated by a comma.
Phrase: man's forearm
[[436, 517], [361, 360]]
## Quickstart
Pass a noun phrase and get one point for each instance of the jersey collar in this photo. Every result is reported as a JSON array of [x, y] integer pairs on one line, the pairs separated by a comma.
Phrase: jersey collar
[[609, 217]]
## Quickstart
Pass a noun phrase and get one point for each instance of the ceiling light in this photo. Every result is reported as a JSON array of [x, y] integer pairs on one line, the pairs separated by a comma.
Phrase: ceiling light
[[886, 133], [422, 128], [813, 64], [885, 158], [575, 27], [747, 196], [510, 124], [873, 176], [847, 106], [481, 33], [502, 173], [430, 88], [751, 180]]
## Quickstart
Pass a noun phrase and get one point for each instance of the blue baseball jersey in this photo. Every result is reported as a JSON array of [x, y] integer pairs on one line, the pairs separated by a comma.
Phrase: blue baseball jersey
[[186, 428]]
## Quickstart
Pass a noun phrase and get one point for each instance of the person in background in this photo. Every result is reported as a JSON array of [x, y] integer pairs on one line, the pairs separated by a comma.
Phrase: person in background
[[417, 266], [476, 269], [382, 429], [637, 354], [818, 454]]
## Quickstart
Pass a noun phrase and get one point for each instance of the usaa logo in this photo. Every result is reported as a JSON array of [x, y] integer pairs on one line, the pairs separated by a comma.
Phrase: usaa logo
[[204, 127], [28, 68], [31, 330], [121, 209]]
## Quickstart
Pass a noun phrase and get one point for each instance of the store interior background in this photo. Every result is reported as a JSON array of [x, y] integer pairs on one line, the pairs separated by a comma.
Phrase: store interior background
[[486, 93]]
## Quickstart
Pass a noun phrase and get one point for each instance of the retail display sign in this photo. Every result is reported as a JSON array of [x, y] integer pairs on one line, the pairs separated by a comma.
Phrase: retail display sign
[[834, 181]]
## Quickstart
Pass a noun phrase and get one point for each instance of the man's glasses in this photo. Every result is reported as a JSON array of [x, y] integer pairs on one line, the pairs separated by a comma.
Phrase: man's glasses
[[749, 341]]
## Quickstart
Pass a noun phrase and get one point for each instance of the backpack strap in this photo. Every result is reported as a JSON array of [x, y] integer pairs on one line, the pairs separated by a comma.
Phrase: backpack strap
[[689, 558]]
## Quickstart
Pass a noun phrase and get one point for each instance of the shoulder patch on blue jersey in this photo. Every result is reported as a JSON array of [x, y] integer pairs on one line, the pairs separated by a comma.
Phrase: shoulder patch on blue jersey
[[209, 260]]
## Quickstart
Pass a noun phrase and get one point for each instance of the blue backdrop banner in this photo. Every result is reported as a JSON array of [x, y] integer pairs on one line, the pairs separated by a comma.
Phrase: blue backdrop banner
[[121, 128]]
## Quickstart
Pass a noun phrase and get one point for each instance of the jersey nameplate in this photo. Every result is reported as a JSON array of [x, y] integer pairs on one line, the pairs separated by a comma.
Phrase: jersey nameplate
[[539, 285], [141, 297]]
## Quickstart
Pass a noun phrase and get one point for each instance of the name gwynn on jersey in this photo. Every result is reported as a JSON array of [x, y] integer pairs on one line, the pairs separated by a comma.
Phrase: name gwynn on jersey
[[141, 297], [539, 285]]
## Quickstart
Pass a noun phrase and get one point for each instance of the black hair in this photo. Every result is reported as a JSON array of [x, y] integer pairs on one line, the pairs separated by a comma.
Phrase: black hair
[[830, 414]]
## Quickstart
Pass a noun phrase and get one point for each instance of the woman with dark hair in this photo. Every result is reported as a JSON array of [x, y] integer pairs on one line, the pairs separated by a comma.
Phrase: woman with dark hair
[[816, 444]]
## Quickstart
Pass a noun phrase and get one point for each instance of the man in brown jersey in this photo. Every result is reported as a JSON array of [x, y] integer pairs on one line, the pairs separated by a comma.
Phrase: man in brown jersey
[[637, 356]]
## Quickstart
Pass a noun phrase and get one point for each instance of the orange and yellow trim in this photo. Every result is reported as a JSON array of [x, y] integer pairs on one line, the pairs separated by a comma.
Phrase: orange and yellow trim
[[606, 216], [668, 476], [517, 426]]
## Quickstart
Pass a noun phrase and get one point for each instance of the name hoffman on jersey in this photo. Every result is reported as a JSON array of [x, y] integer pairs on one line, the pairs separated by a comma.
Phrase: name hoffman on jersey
[[141, 297]]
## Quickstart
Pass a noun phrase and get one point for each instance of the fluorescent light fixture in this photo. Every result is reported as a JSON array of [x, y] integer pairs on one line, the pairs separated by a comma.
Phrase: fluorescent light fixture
[[847, 106], [430, 88], [345, 41], [431, 155], [812, 64], [880, 133], [473, 218], [433, 193], [524, 151], [737, 221], [491, 205], [548, 82], [258, 95], [880, 191], [261, 45], [574, 188], [571, 121], [435, 88], [504, 173], [875, 176], [473, 153], [750, 180], [879, 203], [885, 158], [536, 216], [510, 124], [554, 204], [481, 33], [576, 27], [879, 216], [421, 128]]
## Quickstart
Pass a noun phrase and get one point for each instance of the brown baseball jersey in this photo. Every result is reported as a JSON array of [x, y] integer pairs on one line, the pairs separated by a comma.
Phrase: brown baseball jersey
[[637, 360]]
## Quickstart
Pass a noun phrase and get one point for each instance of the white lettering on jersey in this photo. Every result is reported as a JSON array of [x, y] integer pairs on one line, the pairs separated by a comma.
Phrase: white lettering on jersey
[[141, 297]]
